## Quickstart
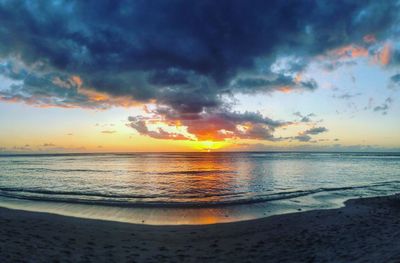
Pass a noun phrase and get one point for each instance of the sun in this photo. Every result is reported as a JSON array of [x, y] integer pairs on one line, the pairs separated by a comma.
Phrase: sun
[[209, 145]]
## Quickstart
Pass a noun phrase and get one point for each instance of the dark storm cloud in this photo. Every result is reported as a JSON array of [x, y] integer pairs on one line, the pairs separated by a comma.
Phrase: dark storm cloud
[[183, 55], [137, 48], [254, 85], [51, 88], [169, 77]]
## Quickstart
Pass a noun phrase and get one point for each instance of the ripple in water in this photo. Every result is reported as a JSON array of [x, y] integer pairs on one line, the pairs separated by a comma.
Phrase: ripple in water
[[195, 180]]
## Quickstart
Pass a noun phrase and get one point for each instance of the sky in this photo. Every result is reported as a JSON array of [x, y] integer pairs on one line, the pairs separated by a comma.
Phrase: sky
[[148, 76]]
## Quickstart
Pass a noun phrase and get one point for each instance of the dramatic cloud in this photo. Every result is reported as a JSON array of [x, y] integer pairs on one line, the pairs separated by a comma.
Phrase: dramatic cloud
[[183, 56], [141, 126], [52, 89], [280, 83], [209, 125]]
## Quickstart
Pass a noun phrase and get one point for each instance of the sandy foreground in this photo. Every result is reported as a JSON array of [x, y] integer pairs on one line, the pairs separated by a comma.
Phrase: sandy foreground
[[365, 230]]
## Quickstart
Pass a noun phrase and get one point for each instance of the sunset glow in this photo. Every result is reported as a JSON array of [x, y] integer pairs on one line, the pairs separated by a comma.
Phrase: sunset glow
[[199, 131], [180, 96]]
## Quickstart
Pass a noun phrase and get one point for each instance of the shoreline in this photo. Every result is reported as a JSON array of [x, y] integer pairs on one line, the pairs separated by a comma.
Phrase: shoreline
[[181, 215], [366, 229]]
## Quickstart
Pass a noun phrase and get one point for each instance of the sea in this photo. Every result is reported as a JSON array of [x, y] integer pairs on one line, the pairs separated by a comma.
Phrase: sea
[[192, 188]]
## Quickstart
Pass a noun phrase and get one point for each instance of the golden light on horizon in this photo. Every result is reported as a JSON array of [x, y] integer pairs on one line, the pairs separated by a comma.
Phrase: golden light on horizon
[[209, 145]]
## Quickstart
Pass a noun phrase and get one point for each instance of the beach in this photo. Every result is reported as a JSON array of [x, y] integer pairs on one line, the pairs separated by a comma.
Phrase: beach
[[200, 131], [364, 230]]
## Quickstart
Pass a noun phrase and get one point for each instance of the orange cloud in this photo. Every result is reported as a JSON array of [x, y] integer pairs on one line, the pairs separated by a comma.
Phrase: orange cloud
[[78, 96], [384, 55], [77, 80], [286, 89], [102, 97], [351, 51], [298, 78], [94, 100], [207, 126]]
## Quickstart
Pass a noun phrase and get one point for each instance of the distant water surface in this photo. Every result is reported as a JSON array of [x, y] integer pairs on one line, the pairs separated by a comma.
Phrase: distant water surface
[[195, 181]]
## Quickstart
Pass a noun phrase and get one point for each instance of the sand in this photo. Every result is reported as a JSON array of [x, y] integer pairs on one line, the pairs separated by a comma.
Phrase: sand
[[365, 230]]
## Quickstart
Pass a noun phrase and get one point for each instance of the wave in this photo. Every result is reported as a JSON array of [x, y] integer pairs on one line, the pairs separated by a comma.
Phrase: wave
[[164, 201], [20, 191], [194, 172], [39, 169], [180, 172]]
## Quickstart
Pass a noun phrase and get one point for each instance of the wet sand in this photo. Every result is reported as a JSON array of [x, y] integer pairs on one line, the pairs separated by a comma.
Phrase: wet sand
[[365, 230]]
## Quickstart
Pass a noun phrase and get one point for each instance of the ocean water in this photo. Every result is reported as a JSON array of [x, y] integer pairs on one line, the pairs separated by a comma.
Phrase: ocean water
[[174, 188]]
